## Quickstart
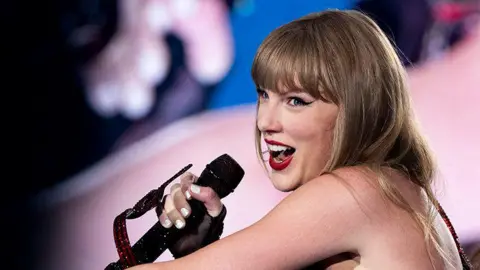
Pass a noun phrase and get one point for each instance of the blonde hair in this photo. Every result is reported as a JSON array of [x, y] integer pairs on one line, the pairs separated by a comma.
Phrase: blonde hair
[[343, 57]]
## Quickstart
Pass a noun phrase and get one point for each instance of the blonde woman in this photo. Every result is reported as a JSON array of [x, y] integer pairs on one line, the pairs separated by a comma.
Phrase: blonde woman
[[334, 111]]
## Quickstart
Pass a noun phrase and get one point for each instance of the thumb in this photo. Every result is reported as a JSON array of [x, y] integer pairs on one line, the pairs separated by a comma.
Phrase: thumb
[[208, 197]]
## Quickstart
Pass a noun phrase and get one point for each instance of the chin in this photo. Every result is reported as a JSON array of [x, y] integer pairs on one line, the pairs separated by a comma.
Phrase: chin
[[283, 182]]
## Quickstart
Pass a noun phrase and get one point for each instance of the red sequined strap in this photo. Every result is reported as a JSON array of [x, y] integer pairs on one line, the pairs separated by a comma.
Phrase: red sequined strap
[[465, 261], [122, 242], [147, 203]]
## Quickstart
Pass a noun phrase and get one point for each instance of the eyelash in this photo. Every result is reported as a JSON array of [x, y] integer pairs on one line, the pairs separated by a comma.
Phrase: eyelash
[[299, 100], [262, 95]]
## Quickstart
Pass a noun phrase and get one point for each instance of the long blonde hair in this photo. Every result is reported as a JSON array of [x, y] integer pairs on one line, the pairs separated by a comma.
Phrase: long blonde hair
[[343, 57]]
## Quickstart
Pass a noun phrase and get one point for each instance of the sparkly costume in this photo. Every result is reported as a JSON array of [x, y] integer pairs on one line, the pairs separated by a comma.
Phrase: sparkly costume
[[465, 262]]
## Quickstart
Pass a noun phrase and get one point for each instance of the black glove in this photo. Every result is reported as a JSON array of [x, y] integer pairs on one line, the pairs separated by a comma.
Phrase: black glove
[[209, 231]]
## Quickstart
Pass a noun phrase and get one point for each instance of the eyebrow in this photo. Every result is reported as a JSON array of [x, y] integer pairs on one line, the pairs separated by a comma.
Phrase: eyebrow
[[284, 93], [295, 91]]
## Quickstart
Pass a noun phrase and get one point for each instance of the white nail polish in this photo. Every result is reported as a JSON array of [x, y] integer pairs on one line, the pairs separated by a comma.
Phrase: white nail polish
[[179, 224], [195, 188], [167, 223], [184, 212], [188, 195]]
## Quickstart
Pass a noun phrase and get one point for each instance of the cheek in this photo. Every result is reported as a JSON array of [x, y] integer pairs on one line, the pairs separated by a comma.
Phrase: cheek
[[310, 129], [304, 133], [313, 137]]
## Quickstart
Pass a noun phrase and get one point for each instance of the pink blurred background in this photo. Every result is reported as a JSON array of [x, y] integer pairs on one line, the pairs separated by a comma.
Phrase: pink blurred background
[[128, 93], [446, 95]]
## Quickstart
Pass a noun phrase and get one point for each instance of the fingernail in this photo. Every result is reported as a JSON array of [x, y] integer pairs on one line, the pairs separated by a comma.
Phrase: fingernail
[[188, 195], [195, 189], [167, 223], [184, 212], [179, 224]]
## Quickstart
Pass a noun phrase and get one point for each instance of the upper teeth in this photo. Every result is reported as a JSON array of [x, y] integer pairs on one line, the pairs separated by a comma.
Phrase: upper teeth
[[272, 147]]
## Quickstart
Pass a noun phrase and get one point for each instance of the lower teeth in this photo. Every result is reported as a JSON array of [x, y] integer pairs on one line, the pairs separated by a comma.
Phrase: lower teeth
[[281, 157]]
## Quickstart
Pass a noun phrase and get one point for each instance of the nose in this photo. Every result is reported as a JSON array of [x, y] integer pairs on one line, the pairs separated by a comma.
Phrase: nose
[[269, 118]]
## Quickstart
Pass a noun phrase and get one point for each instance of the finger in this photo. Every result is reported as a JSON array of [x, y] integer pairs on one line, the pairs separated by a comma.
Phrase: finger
[[162, 216], [173, 214], [174, 187], [209, 198], [186, 180], [180, 202], [164, 220]]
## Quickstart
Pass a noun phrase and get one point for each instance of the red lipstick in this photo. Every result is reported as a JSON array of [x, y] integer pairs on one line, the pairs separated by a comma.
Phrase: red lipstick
[[276, 143], [278, 166]]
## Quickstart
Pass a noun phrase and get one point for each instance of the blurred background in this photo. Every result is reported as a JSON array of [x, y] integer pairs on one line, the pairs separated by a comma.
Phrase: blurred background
[[123, 92]]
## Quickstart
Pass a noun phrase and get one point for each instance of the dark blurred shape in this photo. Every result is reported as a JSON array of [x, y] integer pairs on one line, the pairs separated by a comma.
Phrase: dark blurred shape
[[404, 21], [52, 42], [422, 29], [454, 19], [67, 135]]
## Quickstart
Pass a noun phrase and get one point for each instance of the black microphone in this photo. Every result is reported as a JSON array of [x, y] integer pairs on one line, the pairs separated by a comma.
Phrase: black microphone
[[222, 175]]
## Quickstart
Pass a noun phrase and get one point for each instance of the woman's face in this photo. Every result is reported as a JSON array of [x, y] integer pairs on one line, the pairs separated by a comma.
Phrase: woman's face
[[297, 130]]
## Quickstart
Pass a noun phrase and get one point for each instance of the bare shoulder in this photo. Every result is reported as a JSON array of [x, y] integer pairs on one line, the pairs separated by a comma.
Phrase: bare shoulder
[[352, 189], [395, 239], [354, 186], [347, 203]]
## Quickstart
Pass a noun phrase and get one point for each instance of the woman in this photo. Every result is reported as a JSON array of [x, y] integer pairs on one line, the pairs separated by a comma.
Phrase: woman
[[335, 114]]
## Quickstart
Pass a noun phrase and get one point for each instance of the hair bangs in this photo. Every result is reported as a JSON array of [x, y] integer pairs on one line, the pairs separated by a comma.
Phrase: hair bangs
[[288, 60]]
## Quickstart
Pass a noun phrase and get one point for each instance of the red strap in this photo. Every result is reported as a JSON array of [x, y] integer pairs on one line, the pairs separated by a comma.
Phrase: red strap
[[465, 261], [148, 202], [122, 242]]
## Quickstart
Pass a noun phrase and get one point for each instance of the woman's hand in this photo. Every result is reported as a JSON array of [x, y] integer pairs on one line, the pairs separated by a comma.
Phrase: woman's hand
[[175, 211]]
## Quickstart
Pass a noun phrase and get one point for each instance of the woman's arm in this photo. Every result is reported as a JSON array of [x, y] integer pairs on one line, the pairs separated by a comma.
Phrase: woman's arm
[[320, 219]]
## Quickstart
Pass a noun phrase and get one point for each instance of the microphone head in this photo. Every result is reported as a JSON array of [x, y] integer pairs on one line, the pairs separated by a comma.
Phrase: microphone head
[[223, 175]]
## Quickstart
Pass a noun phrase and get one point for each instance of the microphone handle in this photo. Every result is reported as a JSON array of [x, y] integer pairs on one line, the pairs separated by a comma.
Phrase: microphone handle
[[158, 238]]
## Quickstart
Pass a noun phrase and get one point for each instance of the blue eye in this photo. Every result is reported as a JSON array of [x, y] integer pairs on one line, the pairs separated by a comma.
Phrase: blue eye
[[262, 94], [295, 102]]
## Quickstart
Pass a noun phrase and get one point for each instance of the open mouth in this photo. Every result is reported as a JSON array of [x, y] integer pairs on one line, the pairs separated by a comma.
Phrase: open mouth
[[280, 153]]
